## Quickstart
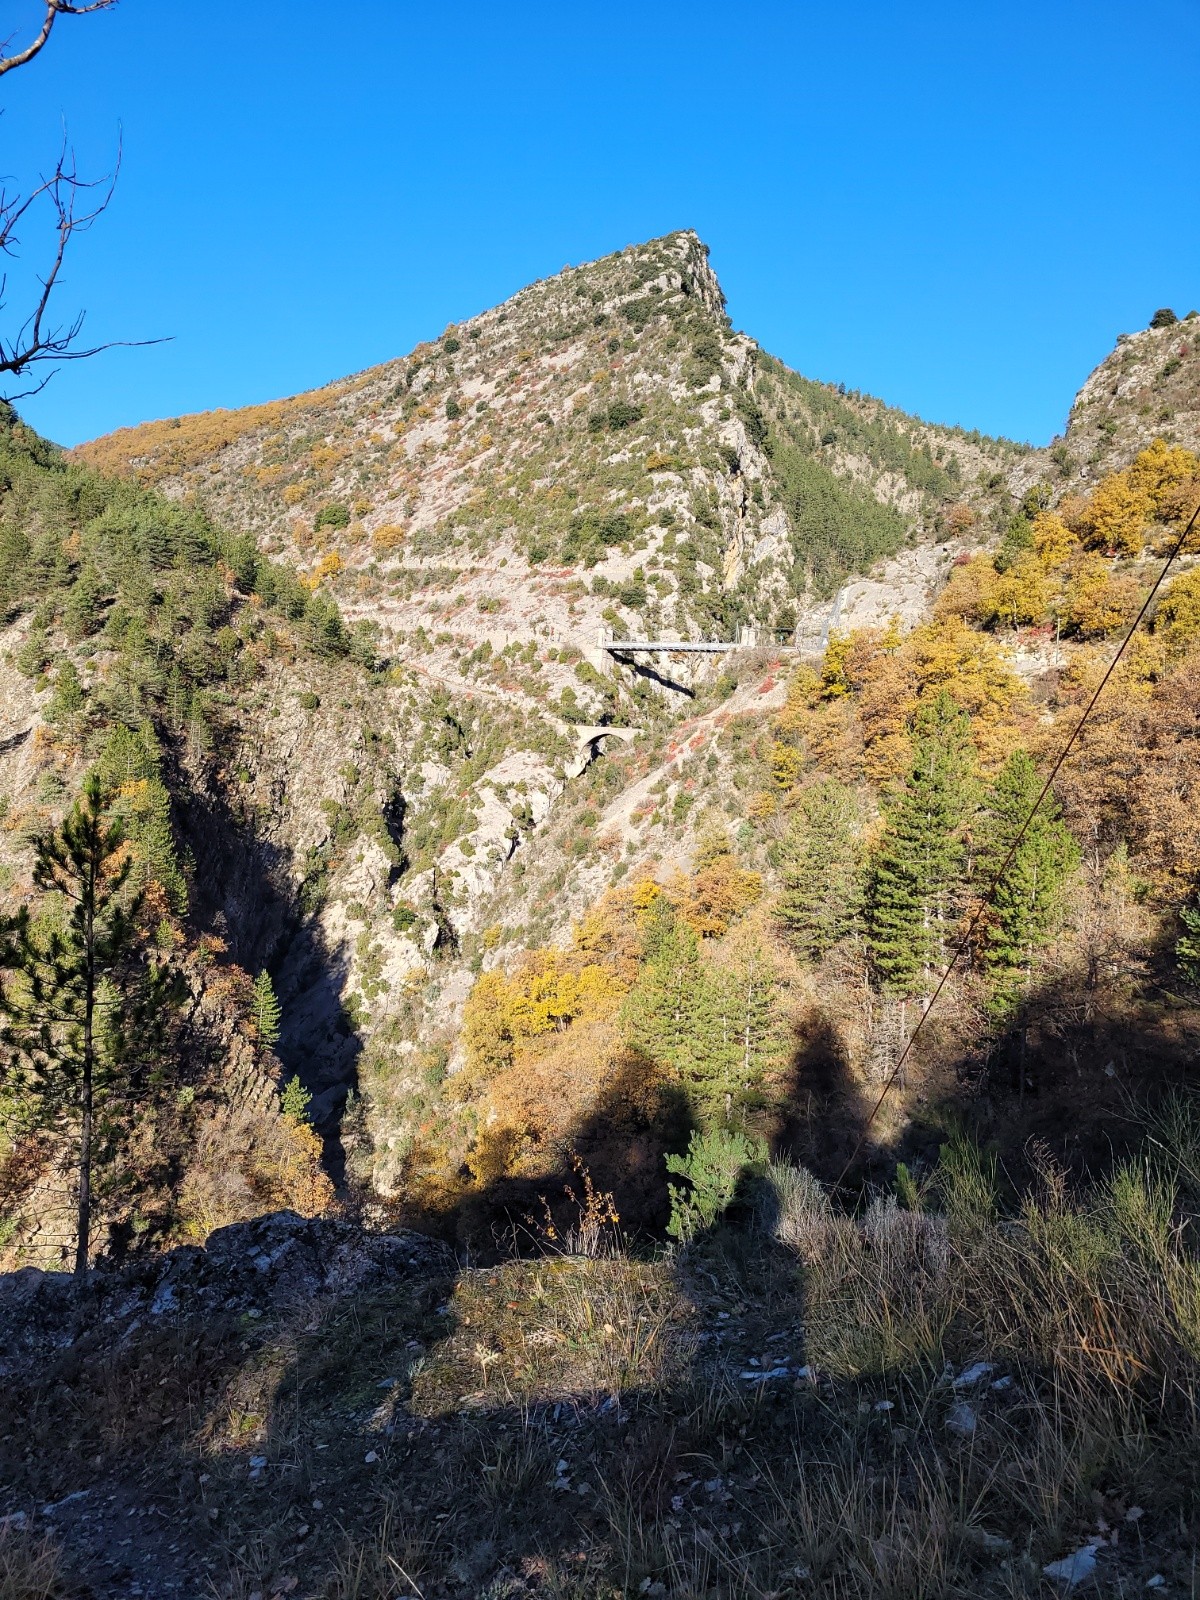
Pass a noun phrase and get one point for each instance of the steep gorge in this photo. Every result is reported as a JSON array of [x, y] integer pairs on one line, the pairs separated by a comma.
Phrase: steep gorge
[[380, 823]]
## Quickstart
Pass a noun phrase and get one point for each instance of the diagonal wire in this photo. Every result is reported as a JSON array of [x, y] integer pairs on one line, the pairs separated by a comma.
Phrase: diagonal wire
[[965, 941]]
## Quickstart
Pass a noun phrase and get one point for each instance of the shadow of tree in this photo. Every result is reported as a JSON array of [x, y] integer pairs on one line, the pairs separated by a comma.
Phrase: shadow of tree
[[244, 894], [578, 1425]]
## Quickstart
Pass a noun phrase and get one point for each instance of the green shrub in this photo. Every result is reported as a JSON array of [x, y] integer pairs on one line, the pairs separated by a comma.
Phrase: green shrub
[[1164, 317], [333, 514], [638, 312], [621, 414], [1187, 946], [591, 534], [34, 655], [68, 694], [714, 1166]]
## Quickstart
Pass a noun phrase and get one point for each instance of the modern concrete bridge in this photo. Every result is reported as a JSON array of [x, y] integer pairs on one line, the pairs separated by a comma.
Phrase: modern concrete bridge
[[747, 638]]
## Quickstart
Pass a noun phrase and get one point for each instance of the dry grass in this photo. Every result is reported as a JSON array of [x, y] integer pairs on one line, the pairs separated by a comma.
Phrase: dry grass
[[562, 1326], [589, 1428], [29, 1566]]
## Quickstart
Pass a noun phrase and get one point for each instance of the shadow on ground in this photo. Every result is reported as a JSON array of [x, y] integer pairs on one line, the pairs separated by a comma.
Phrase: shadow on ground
[[244, 895], [719, 1422]]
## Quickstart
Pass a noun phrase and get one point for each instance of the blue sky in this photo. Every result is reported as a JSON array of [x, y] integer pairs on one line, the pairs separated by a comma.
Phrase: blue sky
[[955, 206]]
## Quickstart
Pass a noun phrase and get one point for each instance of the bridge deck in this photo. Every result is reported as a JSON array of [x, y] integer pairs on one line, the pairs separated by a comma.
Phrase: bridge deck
[[706, 645]]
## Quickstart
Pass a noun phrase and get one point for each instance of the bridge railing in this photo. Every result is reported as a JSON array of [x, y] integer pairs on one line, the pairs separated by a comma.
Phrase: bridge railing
[[748, 637]]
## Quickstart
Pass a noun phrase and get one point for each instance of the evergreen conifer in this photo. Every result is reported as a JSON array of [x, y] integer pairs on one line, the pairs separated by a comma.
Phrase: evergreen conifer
[[82, 999], [920, 860], [716, 1028], [822, 870], [1187, 946], [660, 1009], [267, 1011], [295, 1100], [1027, 896], [752, 1033]]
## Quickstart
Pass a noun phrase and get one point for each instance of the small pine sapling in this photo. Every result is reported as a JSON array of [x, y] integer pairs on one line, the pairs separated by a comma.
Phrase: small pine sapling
[[267, 1011], [295, 1100]]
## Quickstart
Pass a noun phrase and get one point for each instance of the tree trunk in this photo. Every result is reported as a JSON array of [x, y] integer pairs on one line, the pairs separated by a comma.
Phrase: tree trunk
[[83, 1238], [85, 1166]]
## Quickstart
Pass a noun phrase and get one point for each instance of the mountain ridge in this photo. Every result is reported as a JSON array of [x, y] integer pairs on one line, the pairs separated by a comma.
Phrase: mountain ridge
[[392, 779]]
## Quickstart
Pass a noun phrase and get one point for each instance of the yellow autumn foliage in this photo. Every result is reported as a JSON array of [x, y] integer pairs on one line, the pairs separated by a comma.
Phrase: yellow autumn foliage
[[387, 538], [888, 677], [328, 567], [1160, 472], [713, 898], [1177, 620], [1053, 541], [787, 764], [835, 678], [1097, 601], [248, 1161], [163, 449], [1115, 518], [545, 992], [610, 932], [1022, 594], [803, 691], [970, 593], [971, 667]]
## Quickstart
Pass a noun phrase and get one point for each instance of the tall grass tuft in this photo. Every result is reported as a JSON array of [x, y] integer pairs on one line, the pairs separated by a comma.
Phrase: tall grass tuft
[[28, 1566]]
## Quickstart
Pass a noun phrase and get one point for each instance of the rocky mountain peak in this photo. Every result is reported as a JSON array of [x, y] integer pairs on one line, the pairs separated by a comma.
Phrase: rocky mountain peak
[[1148, 388]]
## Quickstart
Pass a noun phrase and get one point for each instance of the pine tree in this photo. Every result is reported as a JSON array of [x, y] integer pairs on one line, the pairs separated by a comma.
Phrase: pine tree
[[715, 1028], [920, 860], [295, 1100], [85, 605], [822, 870], [752, 1031], [1187, 946], [1027, 896], [660, 1010], [68, 699], [267, 1011], [675, 1013], [81, 1001]]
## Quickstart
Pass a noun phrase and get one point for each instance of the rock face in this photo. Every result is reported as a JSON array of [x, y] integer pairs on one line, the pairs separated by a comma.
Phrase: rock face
[[272, 1262], [597, 445], [595, 456], [1148, 388]]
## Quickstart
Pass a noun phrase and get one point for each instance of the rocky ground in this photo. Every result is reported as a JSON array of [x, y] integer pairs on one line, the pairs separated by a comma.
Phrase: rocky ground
[[304, 1409]]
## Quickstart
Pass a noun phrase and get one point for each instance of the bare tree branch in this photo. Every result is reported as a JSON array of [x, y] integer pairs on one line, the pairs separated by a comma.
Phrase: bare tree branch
[[69, 198], [54, 10], [74, 203]]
